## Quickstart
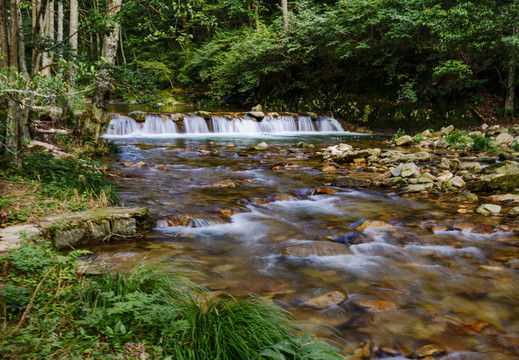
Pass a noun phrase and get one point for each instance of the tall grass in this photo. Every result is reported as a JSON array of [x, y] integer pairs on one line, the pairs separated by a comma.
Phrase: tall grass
[[51, 312]]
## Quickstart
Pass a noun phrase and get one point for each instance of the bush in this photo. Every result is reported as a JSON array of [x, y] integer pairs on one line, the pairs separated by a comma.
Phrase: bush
[[457, 140], [481, 143]]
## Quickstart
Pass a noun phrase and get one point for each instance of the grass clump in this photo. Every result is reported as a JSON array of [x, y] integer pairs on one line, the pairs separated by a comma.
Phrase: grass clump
[[51, 312], [481, 143], [457, 140], [398, 134], [515, 146]]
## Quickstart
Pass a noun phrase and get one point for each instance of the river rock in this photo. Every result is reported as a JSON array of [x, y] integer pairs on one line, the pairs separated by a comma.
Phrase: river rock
[[377, 305], [404, 140], [258, 115], [374, 224], [487, 209], [312, 115], [416, 188], [447, 130], [138, 115], [315, 248], [445, 164], [473, 167], [348, 181], [507, 167], [261, 146], [325, 301], [504, 139], [204, 114], [444, 177], [349, 156], [514, 212], [470, 197], [406, 170], [177, 117], [257, 108], [456, 182]]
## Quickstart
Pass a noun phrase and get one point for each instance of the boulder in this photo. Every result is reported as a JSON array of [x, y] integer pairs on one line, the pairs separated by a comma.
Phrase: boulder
[[138, 115], [447, 130], [204, 114], [374, 224], [473, 166], [312, 115], [348, 181], [404, 140], [325, 301], [177, 117], [470, 197], [487, 209], [349, 156], [258, 115], [514, 212], [261, 146], [406, 170], [505, 183], [257, 108], [444, 177], [416, 188]]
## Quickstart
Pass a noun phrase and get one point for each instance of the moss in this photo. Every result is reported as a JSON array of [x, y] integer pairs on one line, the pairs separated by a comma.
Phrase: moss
[[505, 183]]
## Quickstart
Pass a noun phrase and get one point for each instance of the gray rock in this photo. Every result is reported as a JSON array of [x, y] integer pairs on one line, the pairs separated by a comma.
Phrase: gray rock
[[445, 164], [456, 181], [487, 209], [473, 166], [410, 170], [325, 301], [205, 114], [177, 117], [504, 183], [317, 248], [447, 130], [404, 140], [470, 197], [257, 108], [258, 115], [504, 139], [347, 181]]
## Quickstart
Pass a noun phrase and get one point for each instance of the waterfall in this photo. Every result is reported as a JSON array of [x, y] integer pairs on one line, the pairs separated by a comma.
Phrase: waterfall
[[305, 124], [221, 124], [325, 123], [122, 125], [157, 125], [195, 124]]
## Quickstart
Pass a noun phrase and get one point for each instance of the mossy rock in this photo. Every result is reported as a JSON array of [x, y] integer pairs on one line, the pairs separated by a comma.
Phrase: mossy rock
[[505, 183], [97, 225]]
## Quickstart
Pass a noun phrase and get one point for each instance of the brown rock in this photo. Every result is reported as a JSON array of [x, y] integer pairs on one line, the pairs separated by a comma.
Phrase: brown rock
[[327, 300]]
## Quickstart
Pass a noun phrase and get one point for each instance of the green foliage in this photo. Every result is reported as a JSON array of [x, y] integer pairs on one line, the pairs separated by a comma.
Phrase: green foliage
[[457, 140], [398, 134], [515, 146], [101, 316], [66, 175], [419, 138], [481, 143], [134, 85]]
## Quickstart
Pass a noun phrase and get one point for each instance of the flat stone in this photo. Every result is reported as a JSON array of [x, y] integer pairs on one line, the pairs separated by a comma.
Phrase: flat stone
[[138, 115], [504, 183], [377, 305], [444, 177], [447, 130], [445, 164], [325, 301], [258, 115], [429, 351], [507, 167], [416, 188], [487, 209], [11, 236], [473, 166], [470, 197], [348, 181]]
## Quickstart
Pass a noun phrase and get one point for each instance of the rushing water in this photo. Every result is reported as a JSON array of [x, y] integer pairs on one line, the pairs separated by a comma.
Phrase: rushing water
[[242, 218]]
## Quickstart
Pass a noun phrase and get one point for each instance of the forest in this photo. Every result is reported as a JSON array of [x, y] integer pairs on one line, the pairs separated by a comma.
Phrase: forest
[[288, 55]]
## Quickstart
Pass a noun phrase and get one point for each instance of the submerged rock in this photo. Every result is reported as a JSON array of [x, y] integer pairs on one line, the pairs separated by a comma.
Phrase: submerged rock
[[487, 209], [404, 140], [348, 181], [377, 224], [315, 248], [325, 301]]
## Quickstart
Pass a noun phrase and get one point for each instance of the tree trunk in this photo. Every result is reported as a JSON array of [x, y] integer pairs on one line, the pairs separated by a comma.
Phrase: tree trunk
[[4, 38], [510, 89], [99, 107], [49, 34], [60, 22], [73, 34], [284, 13], [21, 47]]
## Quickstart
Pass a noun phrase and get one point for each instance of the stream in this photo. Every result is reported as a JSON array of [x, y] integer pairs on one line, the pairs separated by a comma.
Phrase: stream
[[263, 222]]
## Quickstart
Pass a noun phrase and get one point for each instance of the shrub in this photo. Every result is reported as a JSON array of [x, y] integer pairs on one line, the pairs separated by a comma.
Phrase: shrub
[[457, 140], [481, 143], [398, 134]]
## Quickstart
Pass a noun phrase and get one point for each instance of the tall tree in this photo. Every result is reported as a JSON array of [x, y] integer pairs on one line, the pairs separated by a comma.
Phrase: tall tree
[[284, 13], [98, 110]]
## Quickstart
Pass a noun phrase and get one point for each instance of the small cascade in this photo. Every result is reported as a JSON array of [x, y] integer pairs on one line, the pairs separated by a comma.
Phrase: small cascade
[[195, 124], [325, 123], [122, 125], [305, 124], [157, 125], [199, 222], [221, 124]]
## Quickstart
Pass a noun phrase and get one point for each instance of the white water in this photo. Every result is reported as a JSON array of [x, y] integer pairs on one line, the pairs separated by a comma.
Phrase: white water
[[195, 125]]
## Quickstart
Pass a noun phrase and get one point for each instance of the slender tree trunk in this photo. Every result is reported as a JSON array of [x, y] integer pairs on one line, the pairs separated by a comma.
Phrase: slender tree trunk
[[59, 33], [255, 7], [510, 89], [99, 107], [284, 13], [511, 80], [73, 33], [49, 34], [4, 38], [21, 54]]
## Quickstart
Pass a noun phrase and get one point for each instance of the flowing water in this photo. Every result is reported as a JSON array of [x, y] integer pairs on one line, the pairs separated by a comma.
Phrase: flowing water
[[254, 222]]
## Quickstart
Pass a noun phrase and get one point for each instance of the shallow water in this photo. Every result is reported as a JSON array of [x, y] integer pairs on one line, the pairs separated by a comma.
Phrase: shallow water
[[407, 286]]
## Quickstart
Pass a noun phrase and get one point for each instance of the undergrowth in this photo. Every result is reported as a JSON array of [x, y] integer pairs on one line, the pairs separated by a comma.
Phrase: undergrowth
[[481, 143], [48, 311], [44, 184], [457, 140]]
